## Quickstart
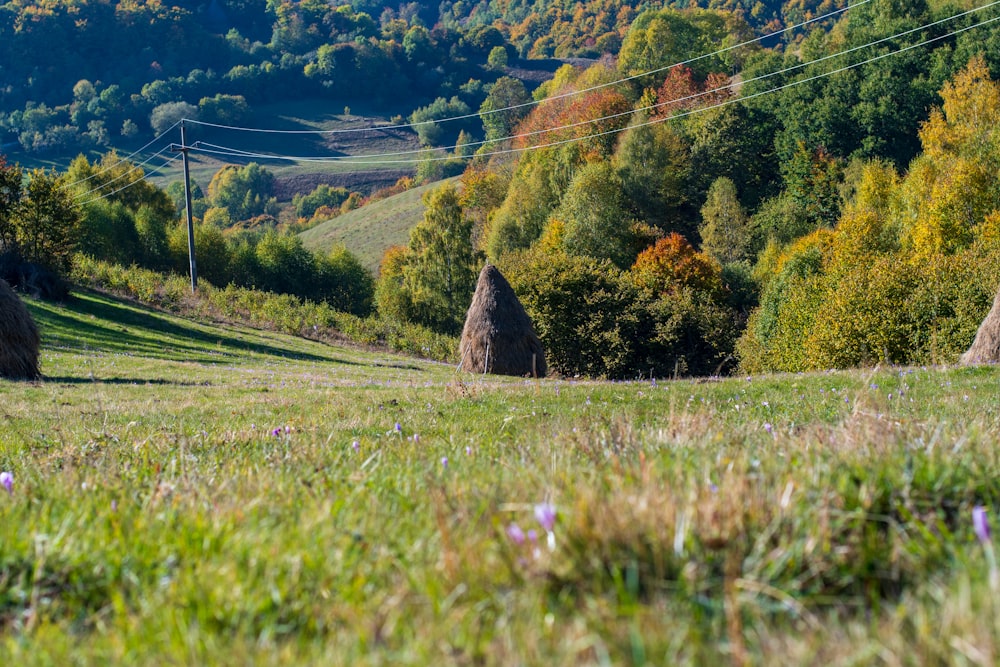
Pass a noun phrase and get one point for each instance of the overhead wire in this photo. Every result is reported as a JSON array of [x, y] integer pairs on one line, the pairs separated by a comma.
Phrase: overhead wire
[[127, 157], [215, 149], [132, 169], [168, 161], [400, 126]]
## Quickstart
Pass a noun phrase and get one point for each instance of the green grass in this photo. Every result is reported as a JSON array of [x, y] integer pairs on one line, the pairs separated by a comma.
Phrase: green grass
[[158, 518], [370, 230]]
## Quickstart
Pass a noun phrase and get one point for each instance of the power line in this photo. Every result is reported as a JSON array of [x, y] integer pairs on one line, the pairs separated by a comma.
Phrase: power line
[[133, 168], [232, 152], [127, 157], [449, 119], [129, 185]]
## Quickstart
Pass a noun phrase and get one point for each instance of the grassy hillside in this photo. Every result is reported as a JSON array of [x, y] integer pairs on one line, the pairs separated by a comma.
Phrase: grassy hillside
[[369, 230], [189, 494]]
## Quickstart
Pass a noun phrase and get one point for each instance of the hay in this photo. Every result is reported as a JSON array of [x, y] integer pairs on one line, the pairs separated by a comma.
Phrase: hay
[[986, 347], [18, 338], [498, 336]]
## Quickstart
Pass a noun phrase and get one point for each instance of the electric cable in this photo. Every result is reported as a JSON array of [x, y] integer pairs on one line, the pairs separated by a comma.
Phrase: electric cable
[[367, 159], [400, 126], [127, 157], [129, 185]]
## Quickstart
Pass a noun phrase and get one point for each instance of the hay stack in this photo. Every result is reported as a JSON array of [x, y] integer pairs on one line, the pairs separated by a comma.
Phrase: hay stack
[[986, 347], [18, 338], [498, 336]]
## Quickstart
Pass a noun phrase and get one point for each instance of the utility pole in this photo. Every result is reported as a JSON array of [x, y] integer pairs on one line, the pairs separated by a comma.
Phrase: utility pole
[[183, 150]]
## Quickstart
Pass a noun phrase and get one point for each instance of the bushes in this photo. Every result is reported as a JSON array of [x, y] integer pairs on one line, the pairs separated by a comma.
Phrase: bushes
[[876, 308], [265, 310], [594, 319]]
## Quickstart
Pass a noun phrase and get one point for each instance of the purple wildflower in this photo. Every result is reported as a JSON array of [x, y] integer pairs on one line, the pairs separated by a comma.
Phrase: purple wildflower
[[546, 515], [981, 524], [276, 432], [769, 428], [515, 533], [7, 481], [444, 461], [355, 445], [532, 535], [399, 427]]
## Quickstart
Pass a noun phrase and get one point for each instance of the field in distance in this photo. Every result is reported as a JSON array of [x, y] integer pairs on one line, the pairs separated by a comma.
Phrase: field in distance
[[370, 230], [187, 493]]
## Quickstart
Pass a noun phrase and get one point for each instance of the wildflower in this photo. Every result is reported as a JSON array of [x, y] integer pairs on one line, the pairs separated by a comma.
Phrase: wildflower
[[468, 451], [515, 533], [276, 432], [399, 427], [981, 524], [444, 461], [7, 481], [416, 438], [546, 515], [769, 428], [532, 535], [355, 445]]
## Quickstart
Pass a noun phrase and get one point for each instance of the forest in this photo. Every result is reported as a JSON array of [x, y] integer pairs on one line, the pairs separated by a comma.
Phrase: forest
[[705, 190]]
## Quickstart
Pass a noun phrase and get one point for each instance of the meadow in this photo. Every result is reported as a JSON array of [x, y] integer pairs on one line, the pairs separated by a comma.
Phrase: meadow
[[187, 493], [369, 231]]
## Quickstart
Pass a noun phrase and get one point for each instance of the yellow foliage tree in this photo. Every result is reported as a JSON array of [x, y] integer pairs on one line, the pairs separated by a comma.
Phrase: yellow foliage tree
[[952, 187]]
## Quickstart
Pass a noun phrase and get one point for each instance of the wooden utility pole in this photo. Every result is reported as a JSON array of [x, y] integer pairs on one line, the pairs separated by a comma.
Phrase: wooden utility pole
[[183, 150]]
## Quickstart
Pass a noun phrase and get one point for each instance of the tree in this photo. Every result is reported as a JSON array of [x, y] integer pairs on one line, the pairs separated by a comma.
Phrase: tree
[[503, 108], [498, 58], [440, 275], [672, 263], [11, 177], [243, 191], [47, 222], [348, 285], [391, 298], [654, 165], [168, 114], [725, 229], [596, 221]]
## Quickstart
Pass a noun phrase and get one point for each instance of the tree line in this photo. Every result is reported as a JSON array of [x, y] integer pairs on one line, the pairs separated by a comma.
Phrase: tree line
[[847, 220]]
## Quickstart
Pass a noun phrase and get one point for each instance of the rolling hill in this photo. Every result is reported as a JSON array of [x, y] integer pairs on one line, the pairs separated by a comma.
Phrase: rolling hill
[[370, 230]]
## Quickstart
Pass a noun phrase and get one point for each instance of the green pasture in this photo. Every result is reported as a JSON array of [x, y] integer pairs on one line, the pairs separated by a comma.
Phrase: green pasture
[[185, 493], [370, 230]]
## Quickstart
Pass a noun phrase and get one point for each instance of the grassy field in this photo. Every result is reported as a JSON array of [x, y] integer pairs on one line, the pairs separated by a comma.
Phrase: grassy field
[[188, 494], [370, 230]]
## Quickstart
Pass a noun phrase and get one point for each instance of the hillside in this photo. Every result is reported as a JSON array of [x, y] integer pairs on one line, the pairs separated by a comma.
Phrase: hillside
[[178, 492], [370, 230]]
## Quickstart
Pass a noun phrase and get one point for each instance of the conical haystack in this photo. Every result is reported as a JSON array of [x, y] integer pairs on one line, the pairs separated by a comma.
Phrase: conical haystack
[[18, 338], [498, 336], [986, 347]]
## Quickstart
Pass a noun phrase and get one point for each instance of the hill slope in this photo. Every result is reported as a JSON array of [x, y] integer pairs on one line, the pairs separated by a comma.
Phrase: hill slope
[[370, 230]]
